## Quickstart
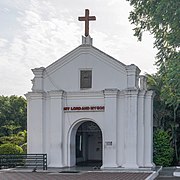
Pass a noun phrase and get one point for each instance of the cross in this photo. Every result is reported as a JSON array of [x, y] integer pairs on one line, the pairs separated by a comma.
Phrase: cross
[[87, 18]]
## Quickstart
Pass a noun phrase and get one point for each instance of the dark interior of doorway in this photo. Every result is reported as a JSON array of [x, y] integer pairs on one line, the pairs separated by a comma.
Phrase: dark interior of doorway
[[89, 145]]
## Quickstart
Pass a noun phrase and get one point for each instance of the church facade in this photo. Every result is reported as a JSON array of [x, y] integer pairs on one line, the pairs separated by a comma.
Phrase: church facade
[[88, 107]]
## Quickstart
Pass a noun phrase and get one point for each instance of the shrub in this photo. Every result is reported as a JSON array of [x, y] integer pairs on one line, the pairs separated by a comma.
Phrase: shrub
[[24, 147], [10, 149], [163, 152], [10, 161]]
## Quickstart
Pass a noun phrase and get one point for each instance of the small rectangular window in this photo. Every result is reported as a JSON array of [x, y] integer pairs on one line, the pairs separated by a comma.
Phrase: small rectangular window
[[86, 79]]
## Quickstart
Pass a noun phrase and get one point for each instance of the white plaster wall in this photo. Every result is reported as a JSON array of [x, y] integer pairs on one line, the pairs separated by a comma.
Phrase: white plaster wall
[[127, 117], [35, 123], [47, 123], [50, 127], [121, 126], [69, 119], [131, 104], [104, 75], [141, 127]]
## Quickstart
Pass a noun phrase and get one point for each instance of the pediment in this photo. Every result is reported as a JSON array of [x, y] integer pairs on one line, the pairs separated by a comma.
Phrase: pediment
[[106, 72], [86, 50]]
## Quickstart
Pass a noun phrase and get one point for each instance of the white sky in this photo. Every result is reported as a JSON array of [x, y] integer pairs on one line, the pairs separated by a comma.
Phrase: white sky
[[35, 33]]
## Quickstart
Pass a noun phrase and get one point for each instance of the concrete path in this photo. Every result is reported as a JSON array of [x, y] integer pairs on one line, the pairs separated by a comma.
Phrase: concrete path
[[74, 176], [79, 173], [167, 174]]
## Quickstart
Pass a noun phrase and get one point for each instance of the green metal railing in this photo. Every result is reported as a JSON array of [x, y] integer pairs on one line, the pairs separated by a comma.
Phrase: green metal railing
[[23, 160]]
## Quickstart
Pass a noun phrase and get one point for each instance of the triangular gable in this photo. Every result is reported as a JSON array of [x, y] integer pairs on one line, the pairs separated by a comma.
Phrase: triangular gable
[[86, 49]]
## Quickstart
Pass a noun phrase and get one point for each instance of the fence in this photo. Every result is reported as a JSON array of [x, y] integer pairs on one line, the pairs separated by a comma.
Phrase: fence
[[23, 160]]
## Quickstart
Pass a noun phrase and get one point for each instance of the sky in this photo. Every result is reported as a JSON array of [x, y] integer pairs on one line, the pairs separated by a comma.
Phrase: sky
[[35, 33]]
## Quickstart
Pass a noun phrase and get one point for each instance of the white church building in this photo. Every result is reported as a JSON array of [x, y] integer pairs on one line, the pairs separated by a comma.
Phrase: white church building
[[88, 107]]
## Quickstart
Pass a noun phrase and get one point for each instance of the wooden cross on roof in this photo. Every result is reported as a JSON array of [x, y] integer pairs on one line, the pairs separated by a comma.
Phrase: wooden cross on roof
[[87, 18]]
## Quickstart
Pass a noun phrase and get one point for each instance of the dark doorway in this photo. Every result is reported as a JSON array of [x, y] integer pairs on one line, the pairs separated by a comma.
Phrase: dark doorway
[[89, 145]]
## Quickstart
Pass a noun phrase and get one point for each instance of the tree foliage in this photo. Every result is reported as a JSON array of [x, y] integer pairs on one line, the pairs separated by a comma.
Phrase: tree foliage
[[13, 134], [19, 139], [161, 19], [164, 115], [12, 114], [10, 149], [163, 152]]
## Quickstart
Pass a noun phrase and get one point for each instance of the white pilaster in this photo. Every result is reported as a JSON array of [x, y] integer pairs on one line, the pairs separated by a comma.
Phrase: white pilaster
[[35, 109], [148, 131], [38, 79], [132, 76], [141, 117], [120, 128], [110, 129], [56, 118], [143, 82], [131, 129]]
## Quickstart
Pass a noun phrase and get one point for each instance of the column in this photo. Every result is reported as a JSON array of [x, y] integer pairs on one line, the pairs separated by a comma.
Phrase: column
[[110, 129], [132, 76], [120, 128], [56, 134], [131, 129], [38, 79], [148, 131], [35, 107], [143, 82], [140, 137]]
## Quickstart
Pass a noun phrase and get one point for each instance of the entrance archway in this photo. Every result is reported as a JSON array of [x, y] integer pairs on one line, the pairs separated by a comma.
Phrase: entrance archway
[[86, 144]]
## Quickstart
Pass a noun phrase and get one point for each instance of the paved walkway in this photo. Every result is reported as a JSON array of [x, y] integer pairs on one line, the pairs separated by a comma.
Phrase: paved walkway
[[74, 176], [167, 174], [83, 173], [77, 173], [168, 178]]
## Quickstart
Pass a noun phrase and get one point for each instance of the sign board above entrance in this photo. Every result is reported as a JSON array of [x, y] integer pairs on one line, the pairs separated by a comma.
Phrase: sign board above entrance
[[84, 108]]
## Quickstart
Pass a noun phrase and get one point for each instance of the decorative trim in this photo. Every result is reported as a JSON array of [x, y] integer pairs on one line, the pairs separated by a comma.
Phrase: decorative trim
[[150, 94], [35, 95], [38, 72], [55, 93], [84, 93], [131, 92], [86, 49], [111, 92], [142, 93]]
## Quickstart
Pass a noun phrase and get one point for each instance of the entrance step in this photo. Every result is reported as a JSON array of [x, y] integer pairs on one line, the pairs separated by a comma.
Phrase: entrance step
[[90, 163]]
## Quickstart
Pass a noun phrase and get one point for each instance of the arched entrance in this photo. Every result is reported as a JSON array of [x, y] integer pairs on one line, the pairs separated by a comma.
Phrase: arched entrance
[[86, 144]]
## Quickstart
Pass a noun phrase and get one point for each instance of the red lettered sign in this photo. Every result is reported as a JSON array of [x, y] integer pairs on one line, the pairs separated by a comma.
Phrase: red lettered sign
[[84, 108]]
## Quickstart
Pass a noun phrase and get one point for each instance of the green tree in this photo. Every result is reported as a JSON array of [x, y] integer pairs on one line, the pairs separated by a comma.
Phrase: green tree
[[163, 152], [10, 149], [12, 113], [23, 135], [10, 128], [19, 139], [14, 139], [162, 114], [161, 19]]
